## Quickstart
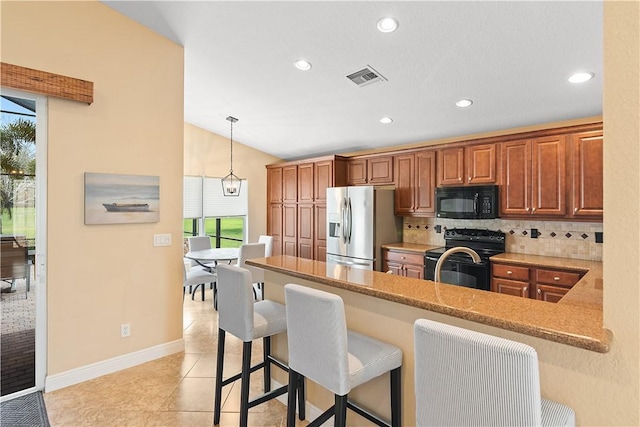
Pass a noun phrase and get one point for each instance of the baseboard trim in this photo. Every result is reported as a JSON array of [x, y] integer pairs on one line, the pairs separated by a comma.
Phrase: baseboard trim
[[95, 370], [312, 411]]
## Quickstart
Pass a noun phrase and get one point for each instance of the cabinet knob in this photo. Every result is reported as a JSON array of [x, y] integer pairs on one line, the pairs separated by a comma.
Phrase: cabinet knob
[[556, 278], [525, 289], [509, 272], [575, 210], [527, 209], [533, 209], [402, 257], [469, 178], [539, 291], [389, 272]]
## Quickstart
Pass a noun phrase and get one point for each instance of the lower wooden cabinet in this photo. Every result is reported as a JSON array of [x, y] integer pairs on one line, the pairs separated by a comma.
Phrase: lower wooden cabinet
[[537, 282], [403, 263]]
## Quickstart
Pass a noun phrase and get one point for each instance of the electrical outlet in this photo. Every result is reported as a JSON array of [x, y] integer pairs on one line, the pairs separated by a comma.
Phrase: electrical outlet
[[125, 330], [534, 233]]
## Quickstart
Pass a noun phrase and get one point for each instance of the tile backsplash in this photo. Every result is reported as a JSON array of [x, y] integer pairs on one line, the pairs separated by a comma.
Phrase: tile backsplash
[[554, 238]]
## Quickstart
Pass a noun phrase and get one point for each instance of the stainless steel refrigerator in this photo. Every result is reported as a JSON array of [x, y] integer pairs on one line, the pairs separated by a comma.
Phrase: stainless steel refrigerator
[[359, 220]]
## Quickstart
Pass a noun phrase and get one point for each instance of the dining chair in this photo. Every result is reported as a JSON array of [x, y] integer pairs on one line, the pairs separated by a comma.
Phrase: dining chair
[[464, 377], [268, 251], [199, 243], [197, 278], [249, 251]]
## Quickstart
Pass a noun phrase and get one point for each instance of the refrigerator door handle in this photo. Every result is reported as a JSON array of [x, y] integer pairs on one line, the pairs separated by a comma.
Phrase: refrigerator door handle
[[349, 263], [343, 212], [350, 215]]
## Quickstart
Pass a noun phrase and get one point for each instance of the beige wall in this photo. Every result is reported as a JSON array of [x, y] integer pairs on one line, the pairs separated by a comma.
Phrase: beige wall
[[207, 154], [101, 276]]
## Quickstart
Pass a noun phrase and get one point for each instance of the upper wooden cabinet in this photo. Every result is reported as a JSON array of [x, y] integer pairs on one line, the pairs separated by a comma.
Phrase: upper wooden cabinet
[[587, 174], [274, 185], [290, 184], [370, 170], [475, 164], [534, 177], [415, 179]]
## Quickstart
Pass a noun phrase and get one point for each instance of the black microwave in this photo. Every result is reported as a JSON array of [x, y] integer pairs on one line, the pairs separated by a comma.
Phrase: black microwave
[[473, 202]]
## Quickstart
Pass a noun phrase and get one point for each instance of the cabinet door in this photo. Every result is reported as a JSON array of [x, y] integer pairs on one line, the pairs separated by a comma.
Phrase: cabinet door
[[289, 230], [516, 182], [320, 234], [323, 179], [305, 183], [548, 166], [380, 170], [274, 226], [415, 271], [393, 267], [405, 181], [587, 174], [481, 164], [549, 293], [274, 184], [451, 166], [425, 182], [357, 172], [305, 231], [510, 287], [290, 184]]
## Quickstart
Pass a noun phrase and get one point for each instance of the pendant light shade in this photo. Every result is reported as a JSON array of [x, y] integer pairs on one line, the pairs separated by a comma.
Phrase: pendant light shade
[[231, 183]]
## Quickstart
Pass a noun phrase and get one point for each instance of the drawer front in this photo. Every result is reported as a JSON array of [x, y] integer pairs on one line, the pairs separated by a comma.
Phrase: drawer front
[[563, 278], [405, 258], [511, 272]]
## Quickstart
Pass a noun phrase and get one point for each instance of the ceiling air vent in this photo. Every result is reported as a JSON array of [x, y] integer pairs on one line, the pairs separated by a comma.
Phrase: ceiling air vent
[[366, 76]]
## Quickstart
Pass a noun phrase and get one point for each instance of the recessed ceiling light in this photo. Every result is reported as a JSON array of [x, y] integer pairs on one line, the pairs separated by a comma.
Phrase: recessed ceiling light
[[464, 103], [580, 77], [302, 64], [387, 25], [386, 120]]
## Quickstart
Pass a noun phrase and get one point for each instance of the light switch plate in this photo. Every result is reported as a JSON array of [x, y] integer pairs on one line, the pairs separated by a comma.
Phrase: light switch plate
[[162, 240]]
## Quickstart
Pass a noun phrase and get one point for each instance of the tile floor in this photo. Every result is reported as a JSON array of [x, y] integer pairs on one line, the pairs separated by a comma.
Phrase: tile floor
[[176, 390]]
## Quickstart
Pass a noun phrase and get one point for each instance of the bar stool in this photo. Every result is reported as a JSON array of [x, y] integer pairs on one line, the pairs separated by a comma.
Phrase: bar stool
[[464, 377], [238, 315], [323, 350]]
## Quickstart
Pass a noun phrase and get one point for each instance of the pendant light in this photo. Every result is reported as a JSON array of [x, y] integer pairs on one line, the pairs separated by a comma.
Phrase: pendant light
[[231, 183]]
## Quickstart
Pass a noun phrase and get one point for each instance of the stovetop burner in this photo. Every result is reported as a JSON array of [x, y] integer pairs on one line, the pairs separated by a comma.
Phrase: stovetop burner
[[486, 243]]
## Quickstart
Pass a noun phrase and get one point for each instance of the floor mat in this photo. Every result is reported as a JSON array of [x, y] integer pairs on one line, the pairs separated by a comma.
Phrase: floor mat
[[24, 411]]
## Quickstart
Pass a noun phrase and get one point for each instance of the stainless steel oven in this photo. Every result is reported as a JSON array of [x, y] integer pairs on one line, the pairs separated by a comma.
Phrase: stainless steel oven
[[459, 269]]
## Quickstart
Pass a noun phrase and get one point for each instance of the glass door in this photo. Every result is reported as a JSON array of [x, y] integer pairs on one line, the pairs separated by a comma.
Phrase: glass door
[[21, 297]]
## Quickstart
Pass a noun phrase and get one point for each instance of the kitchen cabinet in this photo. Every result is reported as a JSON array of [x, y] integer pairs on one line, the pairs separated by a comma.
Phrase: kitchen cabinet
[[415, 177], [370, 170], [470, 165], [296, 202], [587, 174], [402, 263], [534, 177], [320, 232], [536, 282]]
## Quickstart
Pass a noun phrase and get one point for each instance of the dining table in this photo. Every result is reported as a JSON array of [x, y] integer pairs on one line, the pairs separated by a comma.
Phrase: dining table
[[205, 257]]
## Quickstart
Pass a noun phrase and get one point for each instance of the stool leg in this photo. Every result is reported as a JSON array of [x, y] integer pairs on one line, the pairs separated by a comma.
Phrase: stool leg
[[244, 387], [219, 367], [340, 411], [396, 398], [266, 352], [203, 286], [291, 401], [302, 398]]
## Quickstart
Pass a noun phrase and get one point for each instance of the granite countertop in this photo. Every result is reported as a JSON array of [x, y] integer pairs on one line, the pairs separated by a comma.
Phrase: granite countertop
[[574, 322], [410, 247]]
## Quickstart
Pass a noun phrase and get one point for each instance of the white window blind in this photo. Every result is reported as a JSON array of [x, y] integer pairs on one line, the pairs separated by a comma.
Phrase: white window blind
[[215, 204], [192, 197]]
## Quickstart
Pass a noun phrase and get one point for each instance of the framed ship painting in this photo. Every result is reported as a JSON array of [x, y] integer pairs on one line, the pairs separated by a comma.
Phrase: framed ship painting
[[121, 199]]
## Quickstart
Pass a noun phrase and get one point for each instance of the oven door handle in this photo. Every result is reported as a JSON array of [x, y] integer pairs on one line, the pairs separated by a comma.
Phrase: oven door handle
[[432, 257]]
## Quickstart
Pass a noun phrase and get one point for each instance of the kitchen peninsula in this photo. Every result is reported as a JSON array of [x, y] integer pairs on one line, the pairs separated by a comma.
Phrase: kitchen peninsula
[[385, 306]]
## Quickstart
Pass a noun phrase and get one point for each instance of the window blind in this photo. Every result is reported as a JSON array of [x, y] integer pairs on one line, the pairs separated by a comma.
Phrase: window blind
[[192, 197], [215, 204]]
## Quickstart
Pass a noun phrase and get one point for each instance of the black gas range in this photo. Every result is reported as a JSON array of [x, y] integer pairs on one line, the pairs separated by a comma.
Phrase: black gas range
[[459, 268]]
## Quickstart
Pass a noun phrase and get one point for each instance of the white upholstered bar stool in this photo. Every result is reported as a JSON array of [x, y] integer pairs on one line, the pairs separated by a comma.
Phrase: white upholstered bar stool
[[241, 317], [268, 251], [324, 351], [464, 377]]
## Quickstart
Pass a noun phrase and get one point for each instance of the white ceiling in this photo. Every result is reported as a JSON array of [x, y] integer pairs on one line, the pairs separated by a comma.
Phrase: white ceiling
[[512, 58]]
